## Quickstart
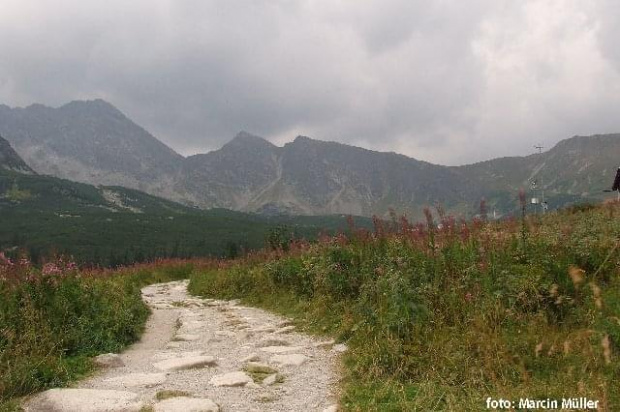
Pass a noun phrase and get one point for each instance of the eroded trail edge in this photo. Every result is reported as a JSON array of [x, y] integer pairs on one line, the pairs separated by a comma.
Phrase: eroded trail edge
[[207, 355]]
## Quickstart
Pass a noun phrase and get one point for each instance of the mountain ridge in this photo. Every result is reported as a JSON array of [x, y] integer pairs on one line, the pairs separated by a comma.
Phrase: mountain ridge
[[93, 142]]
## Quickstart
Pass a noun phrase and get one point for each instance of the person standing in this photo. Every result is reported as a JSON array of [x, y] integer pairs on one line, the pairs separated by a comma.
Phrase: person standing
[[616, 186]]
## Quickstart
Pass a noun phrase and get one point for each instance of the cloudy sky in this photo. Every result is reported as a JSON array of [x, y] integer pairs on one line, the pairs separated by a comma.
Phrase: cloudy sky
[[448, 81]]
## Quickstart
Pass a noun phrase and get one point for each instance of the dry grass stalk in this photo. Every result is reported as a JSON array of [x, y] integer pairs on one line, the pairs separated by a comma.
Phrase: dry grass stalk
[[577, 275]]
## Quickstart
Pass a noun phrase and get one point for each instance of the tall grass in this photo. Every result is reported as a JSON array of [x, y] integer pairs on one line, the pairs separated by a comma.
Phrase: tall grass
[[442, 315], [54, 318]]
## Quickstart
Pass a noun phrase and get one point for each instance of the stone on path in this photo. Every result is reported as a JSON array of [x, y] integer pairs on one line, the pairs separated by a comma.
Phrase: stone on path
[[192, 325], [264, 329], [340, 348], [286, 329], [85, 400], [331, 408], [281, 349], [173, 345], [191, 362], [186, 337], [109, 360], [270, 380], [136, 380], [164, 355], [225, 333], [231, 379], [245, 335], [185, 404], [252, 357], [289, 360]]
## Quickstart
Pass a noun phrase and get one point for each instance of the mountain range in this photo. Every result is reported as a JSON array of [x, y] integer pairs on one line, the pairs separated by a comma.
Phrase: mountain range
[[93, 142], [111, 225]]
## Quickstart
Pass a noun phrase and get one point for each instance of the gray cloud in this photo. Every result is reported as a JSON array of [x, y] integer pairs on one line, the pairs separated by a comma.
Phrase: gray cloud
[[446, 81]]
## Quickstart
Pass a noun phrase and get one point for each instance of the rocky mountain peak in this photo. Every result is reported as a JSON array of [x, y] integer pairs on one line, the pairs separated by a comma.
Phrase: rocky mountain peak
[[245, 139], [97, 107]]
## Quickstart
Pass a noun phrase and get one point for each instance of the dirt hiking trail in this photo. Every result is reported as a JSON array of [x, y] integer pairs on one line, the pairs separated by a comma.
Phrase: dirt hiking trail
[[202, 355]]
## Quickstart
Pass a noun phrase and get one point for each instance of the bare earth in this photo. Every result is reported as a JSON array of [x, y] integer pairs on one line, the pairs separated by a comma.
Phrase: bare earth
[[203, 349]]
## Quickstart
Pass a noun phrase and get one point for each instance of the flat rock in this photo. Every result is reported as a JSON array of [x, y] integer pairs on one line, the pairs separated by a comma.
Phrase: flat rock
[[185, 404], [213, 303], [109, 360], [137, 380], [85, 400], [331, 408], [225, 333], [286, 329], [194, 300], [175, 354], [191, 362], [192, 325], [252, 357], [173, 345], [294, 359], [341, 347], [281, 349], [245, 335], [231, 379], [264, 329], [270, 380], [186, 337]]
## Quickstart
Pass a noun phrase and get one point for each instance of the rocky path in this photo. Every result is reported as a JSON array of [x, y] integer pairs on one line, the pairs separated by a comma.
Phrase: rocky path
[[206, 355]]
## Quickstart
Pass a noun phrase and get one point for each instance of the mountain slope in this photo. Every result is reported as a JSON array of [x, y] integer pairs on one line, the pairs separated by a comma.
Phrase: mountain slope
[[579, 168], [90, 142], [112, 225], [327, 177], [10, 160], [233, 175]]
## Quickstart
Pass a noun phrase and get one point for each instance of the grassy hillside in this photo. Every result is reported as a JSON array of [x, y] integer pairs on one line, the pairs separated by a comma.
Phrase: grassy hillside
[[442, 319], [52, 320], [114, 225]]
